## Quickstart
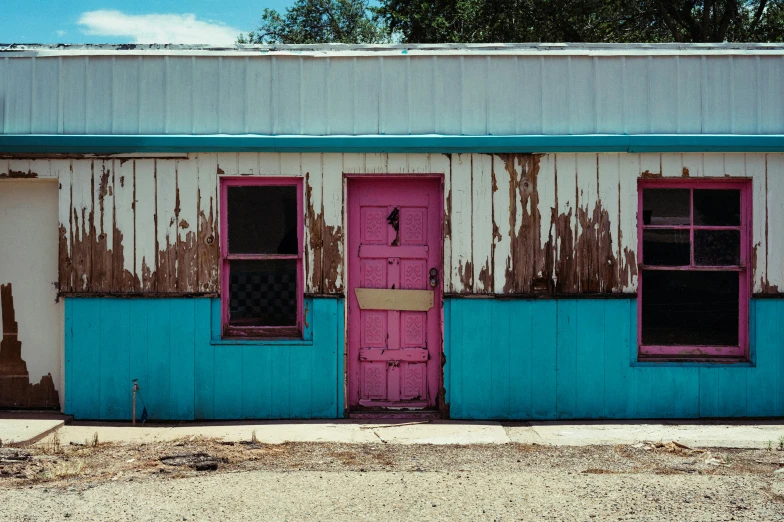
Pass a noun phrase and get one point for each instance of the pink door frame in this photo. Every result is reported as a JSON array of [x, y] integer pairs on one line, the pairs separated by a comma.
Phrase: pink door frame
[[435, 367]]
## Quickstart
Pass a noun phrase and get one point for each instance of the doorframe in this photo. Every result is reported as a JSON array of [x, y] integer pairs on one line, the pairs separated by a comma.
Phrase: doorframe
[[348, 177]]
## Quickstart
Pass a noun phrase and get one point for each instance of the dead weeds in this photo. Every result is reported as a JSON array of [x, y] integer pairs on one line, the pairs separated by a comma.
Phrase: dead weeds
[[53, 463]]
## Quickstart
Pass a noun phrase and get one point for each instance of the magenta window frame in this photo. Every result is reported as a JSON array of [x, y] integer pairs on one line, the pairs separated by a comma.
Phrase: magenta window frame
[[692, 352], [259, 332]]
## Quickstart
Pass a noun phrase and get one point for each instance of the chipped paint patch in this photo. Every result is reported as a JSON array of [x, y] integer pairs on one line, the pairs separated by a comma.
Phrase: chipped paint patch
[[16, 391], [323, 262], [92, 261], [19, 174], [570, 259]]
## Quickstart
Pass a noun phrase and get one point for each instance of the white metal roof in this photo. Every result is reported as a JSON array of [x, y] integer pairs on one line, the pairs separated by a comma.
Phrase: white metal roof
[[505, 89], [515, 49]]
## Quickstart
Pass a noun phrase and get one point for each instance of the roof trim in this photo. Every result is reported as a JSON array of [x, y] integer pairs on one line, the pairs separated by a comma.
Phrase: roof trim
[[322, 50], [120, 144]]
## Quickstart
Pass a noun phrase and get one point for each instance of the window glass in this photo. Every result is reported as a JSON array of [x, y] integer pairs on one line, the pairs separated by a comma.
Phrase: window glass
[[263, 293], [666, 247], [666, 207], [716, 207], [717, 247], [690, 308], [262, 220]]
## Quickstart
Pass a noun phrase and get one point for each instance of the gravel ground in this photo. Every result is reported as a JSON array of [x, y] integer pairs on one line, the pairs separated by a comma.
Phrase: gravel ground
[[304, 481]]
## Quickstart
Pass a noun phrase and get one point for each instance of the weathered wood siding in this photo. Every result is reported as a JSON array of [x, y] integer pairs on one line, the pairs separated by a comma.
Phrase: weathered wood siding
[[513, 223]]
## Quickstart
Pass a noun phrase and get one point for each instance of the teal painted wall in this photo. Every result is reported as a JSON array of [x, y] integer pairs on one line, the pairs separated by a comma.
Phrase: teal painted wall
[[185, 372], [575, 359], [505, 359]]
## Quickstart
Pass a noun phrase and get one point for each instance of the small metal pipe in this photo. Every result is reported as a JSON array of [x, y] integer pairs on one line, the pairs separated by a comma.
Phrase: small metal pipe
[[133, 407]]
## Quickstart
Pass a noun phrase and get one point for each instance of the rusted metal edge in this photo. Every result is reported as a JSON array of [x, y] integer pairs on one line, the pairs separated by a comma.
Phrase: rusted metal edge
[[625, 295]]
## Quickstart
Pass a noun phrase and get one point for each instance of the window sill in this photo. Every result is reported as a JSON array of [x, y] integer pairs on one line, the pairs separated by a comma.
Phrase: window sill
[[664, 363], [261, 342]]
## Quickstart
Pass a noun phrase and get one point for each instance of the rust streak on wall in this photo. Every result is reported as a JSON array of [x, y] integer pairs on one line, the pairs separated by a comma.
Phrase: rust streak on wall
[[314, 221], [466, 274], [569, 260], [528, 256], [332, 261], [101, 279], [16, 391], [207, 246]]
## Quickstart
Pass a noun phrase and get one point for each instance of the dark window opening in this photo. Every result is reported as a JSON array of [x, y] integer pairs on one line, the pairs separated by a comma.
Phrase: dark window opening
[[693, 297], [262, 258], [262, 220], [690, 308], [263, 293]]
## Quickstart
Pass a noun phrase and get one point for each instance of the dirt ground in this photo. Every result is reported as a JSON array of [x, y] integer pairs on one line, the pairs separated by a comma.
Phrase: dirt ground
[[202, 479]]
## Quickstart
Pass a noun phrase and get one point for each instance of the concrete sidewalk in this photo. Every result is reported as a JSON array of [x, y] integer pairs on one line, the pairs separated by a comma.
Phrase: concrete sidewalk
[[694, 434], [26, 427]]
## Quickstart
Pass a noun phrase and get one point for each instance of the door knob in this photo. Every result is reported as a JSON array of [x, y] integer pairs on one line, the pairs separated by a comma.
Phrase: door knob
[[433, 277]]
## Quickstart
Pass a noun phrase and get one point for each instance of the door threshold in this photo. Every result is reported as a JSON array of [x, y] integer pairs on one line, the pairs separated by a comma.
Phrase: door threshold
[[392, 414]]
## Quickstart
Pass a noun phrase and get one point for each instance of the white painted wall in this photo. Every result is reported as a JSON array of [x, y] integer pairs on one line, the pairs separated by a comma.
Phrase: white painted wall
[[28, 260]]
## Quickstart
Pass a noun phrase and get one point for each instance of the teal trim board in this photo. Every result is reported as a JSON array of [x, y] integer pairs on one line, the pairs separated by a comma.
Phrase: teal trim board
[[167, 345], [119, 144], [575, 359]]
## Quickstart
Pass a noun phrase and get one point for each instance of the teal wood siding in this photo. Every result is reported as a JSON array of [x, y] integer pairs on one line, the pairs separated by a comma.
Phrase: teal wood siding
[[186, 372], [576, 359]]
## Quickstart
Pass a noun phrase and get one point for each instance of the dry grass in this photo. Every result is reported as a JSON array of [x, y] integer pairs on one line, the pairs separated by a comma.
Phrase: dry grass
[[65, 469]]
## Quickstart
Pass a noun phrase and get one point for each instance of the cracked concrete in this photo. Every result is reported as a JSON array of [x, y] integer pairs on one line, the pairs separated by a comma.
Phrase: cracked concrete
[[724, 434]]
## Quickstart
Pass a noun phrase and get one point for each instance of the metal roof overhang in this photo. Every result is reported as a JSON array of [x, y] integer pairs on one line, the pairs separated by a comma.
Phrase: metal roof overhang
[[121, 144]]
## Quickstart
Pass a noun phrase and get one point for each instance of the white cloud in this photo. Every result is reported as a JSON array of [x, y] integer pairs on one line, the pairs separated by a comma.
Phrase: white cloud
[[157, 28], [60, 33]]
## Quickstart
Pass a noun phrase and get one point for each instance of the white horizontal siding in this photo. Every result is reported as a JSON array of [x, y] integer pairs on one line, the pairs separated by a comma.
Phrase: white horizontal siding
[[395, 95]]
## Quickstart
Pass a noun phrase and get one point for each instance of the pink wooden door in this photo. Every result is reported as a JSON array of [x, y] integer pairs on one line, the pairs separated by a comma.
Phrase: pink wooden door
[[394, 241]]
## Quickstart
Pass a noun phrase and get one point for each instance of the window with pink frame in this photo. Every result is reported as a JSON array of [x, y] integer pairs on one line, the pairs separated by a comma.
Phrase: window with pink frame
[[694, 286], [261, 257]]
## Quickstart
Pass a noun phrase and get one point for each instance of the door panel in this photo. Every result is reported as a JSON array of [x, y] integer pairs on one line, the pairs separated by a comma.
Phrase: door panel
[[395, 233]]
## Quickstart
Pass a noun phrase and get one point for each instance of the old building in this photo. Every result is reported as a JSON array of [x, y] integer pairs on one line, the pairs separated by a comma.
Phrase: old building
[[474, 232]]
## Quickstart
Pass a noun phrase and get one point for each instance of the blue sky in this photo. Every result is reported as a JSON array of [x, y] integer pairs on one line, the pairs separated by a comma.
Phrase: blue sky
[[136, 21]]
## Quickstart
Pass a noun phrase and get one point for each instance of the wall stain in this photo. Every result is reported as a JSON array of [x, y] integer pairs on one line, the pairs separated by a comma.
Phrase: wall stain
[[19, 174], [16, 390], [466, 275], [326, 272]]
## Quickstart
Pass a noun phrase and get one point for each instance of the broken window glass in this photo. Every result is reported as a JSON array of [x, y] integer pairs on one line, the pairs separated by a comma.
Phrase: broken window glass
[[690, 308], [666, 207], [262, 219]]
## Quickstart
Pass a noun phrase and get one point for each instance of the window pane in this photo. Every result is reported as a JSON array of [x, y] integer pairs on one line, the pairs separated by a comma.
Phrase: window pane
[[716, 247], [666, 207], [263, 293], [689, 308], [262, 220], [666, 247], [717, 207]]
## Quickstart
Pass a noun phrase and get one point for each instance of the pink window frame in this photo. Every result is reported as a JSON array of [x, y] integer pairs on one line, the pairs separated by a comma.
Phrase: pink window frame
[[259, 332], [686, 352]]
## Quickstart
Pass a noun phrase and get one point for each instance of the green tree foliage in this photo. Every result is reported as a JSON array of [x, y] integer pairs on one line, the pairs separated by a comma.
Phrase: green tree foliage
[[318, 21], [484, 21]]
